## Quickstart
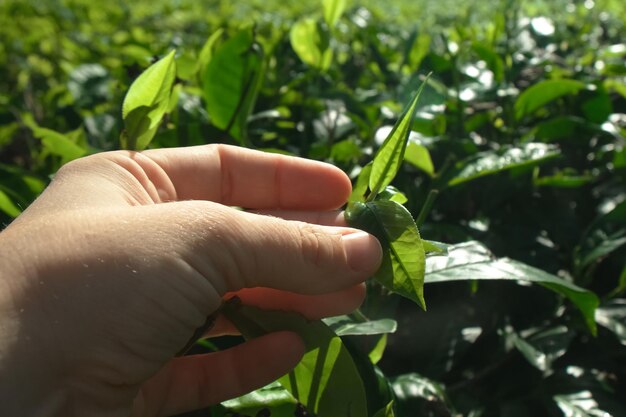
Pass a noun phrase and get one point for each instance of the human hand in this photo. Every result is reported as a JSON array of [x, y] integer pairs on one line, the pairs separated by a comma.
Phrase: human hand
[[109, 273]]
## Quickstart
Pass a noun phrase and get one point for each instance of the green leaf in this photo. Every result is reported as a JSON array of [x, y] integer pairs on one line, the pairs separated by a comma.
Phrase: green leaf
[[347, 326], [59, 144], [606, 234], [376, 354], [231, 82], [56, 143], [542, 347], [362, 182], [402, 268], [473, 261], [206, 53], [563, 180], [386, 412], [333, 9], [436, 248], [326, 380], [311, 43], [580, 404], [418, 156], [391, 193], [542, 93], [390, 155], [561, 127], [146, 102], [419, 50], [413, 390], [273, 397], [491, 162], [612, 316], [7, 206], [492, 59]]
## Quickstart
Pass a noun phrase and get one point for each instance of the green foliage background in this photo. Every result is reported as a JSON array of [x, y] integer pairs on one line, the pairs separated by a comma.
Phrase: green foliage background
[[521, 131]]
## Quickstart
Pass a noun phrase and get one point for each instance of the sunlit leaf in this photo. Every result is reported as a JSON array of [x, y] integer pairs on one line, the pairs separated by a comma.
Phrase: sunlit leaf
[[376, 354], [435, 248], [386, 412], [563, 180], [418, 156], [492, 59], [402, 268], [473, 261], [419, 50], [272, 397], [7, 206], [362, 183], [390, 155], [231, 82], [333, 9], [146, 102], [580, 404], [347, 326], [491, 162], [326, 380], [311, 43], [606, 234], [206, 53], [413, 390], [542, 93], [612, 315], [56, 143], [541, 347], [391, 193]]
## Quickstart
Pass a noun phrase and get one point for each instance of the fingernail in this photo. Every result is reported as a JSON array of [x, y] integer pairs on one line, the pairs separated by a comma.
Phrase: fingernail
[[363, 252]]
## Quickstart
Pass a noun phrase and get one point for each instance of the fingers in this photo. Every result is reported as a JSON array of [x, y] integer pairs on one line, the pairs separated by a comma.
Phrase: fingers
[[236, 249], [252, 179], [325, 218], [193, 382]]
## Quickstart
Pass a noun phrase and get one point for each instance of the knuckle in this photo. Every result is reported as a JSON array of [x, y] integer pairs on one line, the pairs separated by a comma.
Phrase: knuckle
[[317, 247]]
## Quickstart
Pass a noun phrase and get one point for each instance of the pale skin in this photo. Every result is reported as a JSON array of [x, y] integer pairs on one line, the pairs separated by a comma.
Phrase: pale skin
[[107, 275]]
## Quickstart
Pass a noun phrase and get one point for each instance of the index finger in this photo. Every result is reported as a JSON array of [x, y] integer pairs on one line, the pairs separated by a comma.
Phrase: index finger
[[251, 179]]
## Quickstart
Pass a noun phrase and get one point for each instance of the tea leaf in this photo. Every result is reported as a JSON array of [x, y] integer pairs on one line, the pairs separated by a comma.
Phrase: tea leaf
[[388, 159], [612, 316], [347, 326], [413, 389], [326, 380], [472, 261], [231, 82], [311, 43], [146, 102], [273, 396], [7, 206], [542, 93], [418, 156], [333, 9], [376, 354], [206, 53], [386, 412], [491, 162], [360, 187], [402, 268]]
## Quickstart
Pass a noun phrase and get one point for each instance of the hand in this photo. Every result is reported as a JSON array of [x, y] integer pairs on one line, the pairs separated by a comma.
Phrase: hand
[[109, 273]]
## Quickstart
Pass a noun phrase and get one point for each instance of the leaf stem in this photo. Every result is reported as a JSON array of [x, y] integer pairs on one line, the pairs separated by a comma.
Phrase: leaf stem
[[428, 205]]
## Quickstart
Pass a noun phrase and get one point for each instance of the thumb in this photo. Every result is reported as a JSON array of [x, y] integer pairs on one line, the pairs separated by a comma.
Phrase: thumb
[[237, 249]]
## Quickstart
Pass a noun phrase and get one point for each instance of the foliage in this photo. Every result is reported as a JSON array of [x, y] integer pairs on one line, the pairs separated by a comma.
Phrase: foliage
[[513, 155]]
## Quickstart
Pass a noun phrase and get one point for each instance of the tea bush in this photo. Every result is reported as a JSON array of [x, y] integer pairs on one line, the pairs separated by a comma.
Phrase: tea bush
[[514, 168]]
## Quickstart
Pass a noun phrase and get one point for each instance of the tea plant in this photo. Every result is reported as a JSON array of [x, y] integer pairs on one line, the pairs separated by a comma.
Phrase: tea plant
[[513, 155]]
